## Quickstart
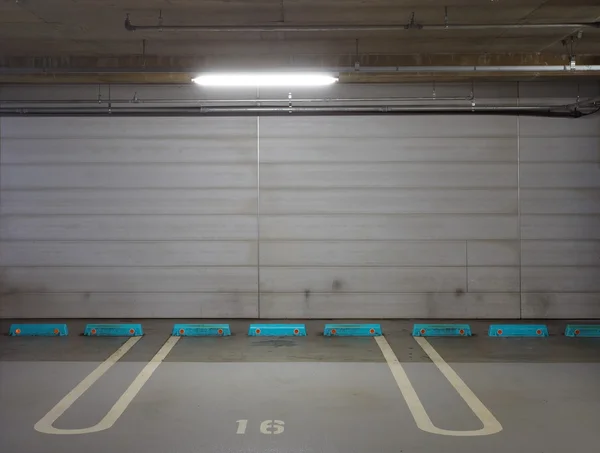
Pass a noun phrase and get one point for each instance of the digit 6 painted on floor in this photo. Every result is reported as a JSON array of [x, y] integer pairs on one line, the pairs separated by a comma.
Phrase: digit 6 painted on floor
[[272, 427]]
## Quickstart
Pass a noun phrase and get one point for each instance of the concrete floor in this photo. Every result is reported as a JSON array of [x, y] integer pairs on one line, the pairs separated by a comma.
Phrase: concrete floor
[[332, 394]]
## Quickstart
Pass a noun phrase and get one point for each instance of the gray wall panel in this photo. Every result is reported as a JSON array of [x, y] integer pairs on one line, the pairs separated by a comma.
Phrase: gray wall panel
[[128, 201], [131, 150], [560, 253], [129, 217], [560, 201], [553, 127], [560, 279], [128, 228], [560, 149], [365, 253], [128, 279], [380, 305], [428, 175], [391, 227], [391, 126], [374, 193], [140, 253], [493, 279], [388, 201], [129, 305], [493, 253], [389, 149], [561, 305], [557, 175], [134, 176], [560, 227], [373, 279], [117, 128]]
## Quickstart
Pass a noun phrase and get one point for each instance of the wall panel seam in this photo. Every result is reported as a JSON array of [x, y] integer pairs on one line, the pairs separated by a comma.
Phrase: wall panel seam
[[258, 289], [519, 206]]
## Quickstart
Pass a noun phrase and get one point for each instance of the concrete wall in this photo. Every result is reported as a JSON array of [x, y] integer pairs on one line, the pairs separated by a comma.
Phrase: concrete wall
[[437, 216], [376, 216], [129, 217], [560, 218]]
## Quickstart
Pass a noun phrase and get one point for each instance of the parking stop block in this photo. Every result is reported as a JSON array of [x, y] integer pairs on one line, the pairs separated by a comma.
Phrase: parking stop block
[[441, 330], [518, 330], [38, 330], [277, 330], [113, 330], [201, 330], [582, 330], [352, 330]]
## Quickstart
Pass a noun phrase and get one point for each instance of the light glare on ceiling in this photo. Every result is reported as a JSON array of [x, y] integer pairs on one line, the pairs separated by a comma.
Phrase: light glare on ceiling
[[265, 79]]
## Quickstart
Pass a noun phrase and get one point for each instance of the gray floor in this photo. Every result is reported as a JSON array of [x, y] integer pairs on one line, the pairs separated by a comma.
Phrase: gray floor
[[333, 394]]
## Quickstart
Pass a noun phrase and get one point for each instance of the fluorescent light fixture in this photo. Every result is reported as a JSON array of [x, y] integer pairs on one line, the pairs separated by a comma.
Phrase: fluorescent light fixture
[[270, 79]]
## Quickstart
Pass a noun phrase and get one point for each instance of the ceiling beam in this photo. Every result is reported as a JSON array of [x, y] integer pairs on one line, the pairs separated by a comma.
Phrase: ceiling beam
[[137, 63], [160, 69]]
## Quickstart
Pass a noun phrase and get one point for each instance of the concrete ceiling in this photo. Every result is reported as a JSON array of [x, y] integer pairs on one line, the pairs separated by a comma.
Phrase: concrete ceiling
[[89, 35]]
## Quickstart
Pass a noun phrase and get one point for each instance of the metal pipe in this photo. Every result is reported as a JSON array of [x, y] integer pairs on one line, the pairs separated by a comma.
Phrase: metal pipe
[[270, 108], [537, 68], [333, 70], [534, 113], [226, 101], [337, 27], [274, 110]]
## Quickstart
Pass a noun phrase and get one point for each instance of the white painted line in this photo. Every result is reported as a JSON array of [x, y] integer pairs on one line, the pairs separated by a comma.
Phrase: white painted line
[[45, 424], [490, 424]]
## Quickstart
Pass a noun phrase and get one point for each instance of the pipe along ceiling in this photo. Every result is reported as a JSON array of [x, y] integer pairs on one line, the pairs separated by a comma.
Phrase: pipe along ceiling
[[584, 69], [298, 107], [348, 110], [412, 25], [303, 107]]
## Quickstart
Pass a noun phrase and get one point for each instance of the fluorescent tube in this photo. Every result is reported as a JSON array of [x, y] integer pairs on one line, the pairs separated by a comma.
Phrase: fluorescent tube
[[265, 79]]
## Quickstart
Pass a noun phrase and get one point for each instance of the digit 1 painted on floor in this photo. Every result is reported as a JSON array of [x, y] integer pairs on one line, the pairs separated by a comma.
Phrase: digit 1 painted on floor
[[242, 424]]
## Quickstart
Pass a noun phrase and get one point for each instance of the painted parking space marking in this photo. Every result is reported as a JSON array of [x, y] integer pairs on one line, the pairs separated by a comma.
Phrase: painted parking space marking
[[45, 424], [490, 423]]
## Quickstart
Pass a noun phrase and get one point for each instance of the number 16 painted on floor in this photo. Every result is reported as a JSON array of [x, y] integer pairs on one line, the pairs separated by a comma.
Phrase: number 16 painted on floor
[[266, 427]]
